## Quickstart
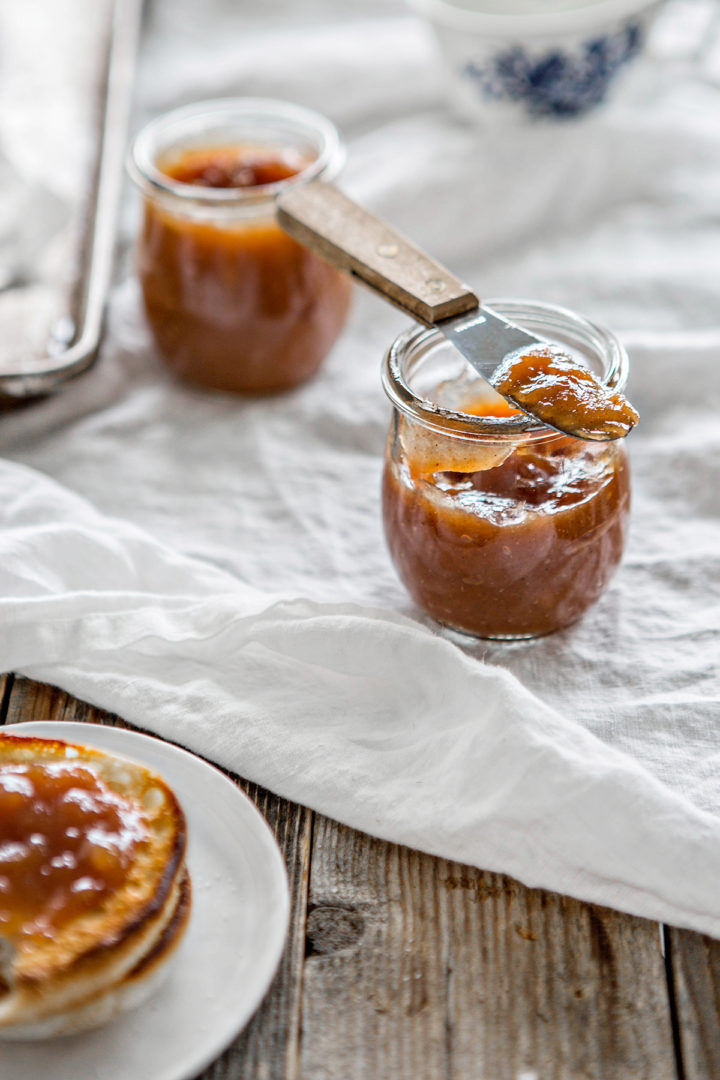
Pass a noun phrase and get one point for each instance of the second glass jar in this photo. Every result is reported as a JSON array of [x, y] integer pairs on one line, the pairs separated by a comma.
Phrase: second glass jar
[[232, 301]]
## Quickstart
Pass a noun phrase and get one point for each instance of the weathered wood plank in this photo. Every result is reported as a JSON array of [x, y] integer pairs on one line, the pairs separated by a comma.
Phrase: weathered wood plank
[[420, 969], [5, 684], [38, 701], [268, 1048], [695, 970]]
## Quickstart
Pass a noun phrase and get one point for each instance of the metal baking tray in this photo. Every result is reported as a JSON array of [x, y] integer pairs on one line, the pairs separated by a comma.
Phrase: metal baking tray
[[66, 78]]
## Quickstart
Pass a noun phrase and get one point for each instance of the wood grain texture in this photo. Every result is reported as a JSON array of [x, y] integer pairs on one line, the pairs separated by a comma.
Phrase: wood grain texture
[[324, 219], [695, 968], [420, 969], [268, 1048], [5, 684], [408, 967]]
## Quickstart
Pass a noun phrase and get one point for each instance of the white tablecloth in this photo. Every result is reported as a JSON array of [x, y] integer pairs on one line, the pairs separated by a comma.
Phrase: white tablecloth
[[214, 569]]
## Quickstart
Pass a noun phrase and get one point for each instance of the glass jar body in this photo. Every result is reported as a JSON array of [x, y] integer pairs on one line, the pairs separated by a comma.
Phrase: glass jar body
[[497, 533], [232, 301]]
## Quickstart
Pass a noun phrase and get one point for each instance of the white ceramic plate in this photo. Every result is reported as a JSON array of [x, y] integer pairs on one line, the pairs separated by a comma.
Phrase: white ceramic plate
[[226, 962]]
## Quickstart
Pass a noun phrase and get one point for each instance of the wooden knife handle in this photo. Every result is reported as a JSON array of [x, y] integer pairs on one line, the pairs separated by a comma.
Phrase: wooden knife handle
[[325, 220]]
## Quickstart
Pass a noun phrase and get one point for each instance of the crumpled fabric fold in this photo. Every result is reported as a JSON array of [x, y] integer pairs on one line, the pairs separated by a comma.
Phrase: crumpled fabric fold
[[358, 713]]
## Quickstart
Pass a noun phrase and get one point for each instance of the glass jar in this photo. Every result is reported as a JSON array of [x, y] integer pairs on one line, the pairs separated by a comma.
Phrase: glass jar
[[498, 526], [232, 301]]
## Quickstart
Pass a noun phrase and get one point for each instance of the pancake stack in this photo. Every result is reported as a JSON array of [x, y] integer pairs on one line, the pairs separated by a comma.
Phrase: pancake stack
[[94, 890]]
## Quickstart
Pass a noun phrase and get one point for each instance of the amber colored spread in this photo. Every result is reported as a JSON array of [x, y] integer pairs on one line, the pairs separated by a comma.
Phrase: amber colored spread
[[66, 842], [232, 167], [521, 548], [562, 393], [237, 304]]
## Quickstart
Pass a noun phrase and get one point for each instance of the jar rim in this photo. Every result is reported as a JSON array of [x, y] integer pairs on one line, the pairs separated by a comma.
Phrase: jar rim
[[141, 159], [417, 340]]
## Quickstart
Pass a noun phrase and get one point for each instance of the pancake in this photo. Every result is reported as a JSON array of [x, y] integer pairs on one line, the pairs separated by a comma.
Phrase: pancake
[[94, 891], [135, 988]]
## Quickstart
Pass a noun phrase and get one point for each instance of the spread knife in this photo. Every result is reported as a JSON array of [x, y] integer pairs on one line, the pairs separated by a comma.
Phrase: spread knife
[[324, 219], [321, 217]]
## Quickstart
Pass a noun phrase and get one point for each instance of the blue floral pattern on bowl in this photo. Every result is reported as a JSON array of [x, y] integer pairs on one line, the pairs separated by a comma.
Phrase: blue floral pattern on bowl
[[556, 83]]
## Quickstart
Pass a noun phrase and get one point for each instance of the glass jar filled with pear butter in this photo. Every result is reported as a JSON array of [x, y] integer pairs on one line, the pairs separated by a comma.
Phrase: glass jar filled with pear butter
[[234, 303], [499, 526]]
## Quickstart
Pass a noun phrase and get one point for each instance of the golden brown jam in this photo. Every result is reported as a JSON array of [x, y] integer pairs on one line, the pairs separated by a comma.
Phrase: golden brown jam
[[510, 540], [232, 167], [66, 843], [235, 303], [558, 390]]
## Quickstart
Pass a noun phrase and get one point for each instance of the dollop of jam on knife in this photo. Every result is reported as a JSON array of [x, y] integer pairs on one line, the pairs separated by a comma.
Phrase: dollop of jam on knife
[[549, 384]]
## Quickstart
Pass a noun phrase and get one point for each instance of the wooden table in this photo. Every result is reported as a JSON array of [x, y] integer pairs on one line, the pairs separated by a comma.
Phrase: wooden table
[[400, 966]]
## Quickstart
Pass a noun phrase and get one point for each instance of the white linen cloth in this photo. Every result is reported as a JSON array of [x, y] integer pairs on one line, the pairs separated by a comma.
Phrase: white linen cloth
[[213, 569]]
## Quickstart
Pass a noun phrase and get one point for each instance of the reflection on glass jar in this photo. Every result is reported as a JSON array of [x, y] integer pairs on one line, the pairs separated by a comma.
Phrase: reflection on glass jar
[[232, 301], [499, 527]]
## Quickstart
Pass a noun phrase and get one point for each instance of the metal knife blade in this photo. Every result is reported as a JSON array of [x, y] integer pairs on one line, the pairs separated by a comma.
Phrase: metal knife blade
[[484, 338]]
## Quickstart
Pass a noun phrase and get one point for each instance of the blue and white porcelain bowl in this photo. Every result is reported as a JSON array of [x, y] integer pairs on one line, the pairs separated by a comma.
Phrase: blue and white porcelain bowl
[[536, 58]]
